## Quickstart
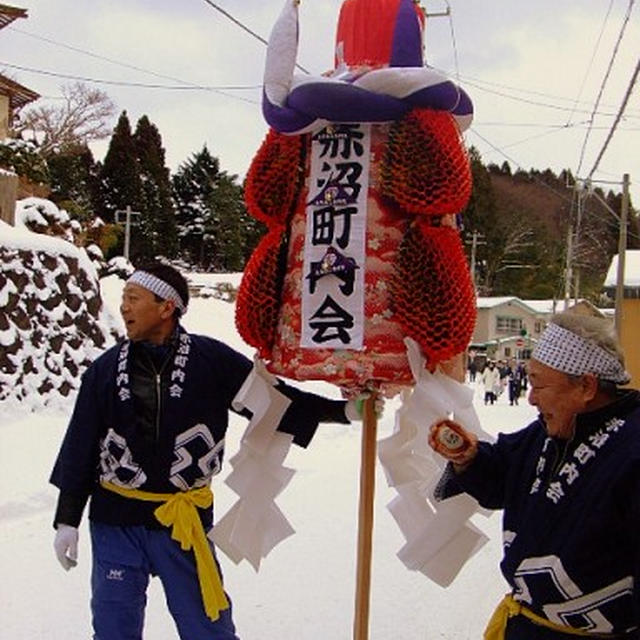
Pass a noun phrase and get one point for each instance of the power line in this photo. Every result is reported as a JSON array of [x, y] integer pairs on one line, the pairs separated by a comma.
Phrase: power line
[[593, 57], [478, 82], [96, 55], [541, 125], [553, 129], [532, 102], [613, 224], [244, 27], [604, 81], [559, 194], [519, 166], [453, 39], [140, 85], [235, 88], [627, 95], [186, 83]]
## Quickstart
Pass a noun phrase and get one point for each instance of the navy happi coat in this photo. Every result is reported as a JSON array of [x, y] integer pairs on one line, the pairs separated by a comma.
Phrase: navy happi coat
[[111, 436], [571, 520]]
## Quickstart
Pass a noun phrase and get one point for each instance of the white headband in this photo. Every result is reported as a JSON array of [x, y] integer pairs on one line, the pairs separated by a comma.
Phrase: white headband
[[159, 287], [565, 351]]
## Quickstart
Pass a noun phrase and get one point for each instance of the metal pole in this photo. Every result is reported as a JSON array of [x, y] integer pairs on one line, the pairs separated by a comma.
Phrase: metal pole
[[576, 245], [622, 247], [474, 244], [568, 270], [127, 233]]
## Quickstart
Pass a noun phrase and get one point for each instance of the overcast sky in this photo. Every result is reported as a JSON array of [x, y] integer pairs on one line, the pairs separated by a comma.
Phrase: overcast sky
[[532, 69]]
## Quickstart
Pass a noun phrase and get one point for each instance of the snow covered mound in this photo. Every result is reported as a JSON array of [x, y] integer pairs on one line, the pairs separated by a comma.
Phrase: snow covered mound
[[52, 320]]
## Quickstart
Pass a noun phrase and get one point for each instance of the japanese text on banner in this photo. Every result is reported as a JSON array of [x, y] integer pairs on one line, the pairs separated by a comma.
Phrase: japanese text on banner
[[335, 244]]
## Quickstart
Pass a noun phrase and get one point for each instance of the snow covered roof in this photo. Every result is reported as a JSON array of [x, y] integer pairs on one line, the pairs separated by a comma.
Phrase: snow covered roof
[[631, 269], [18, 95], [551, 306], [544, 306], [490, 302], [9, 13]]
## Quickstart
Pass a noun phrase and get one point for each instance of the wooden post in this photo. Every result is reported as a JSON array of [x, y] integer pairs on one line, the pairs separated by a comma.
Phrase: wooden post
[[8, 197], [365, 520]]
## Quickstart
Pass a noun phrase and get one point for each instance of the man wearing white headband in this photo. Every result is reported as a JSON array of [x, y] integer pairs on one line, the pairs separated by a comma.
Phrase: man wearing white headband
[[145, 439], [569, 487]]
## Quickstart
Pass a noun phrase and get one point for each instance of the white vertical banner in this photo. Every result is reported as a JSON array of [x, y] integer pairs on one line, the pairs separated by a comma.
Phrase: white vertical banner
[[335, 244]]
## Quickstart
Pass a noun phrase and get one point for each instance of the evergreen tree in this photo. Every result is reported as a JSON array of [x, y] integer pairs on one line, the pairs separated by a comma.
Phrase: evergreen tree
[[155, 233], [193, 189], [119, 181], [215, 231], [232, 226], [74, 180]]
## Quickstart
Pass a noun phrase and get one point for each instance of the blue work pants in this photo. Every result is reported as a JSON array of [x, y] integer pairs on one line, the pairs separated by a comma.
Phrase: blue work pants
[[124, 558]]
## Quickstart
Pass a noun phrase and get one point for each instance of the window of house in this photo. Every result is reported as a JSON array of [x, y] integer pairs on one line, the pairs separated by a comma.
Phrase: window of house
[[506, 324], [539, 326]]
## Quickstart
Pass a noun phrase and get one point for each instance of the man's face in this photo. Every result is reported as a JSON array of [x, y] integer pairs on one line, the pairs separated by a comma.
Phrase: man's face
[[144, 317], [558, 398]]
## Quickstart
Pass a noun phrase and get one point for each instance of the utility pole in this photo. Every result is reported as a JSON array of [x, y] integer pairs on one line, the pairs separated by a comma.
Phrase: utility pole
[[474, 245], [568, 273], [127, 227], [572, 273], [583, 190], [475, 241], [622, 247]]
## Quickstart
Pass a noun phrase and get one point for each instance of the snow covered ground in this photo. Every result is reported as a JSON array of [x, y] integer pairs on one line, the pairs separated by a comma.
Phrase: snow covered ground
[[305, 588]]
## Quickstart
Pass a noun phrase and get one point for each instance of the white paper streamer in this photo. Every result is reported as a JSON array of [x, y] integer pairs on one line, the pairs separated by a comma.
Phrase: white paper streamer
[[439, 536], [255, 524]]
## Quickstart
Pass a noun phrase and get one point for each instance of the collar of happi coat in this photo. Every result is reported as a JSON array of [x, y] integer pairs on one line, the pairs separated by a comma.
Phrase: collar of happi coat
[[625, 401], [181, 343], [595, 431]]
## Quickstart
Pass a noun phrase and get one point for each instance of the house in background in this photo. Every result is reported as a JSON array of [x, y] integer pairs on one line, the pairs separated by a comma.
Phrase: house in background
[[13, 97], [629, 313], [508, 328]]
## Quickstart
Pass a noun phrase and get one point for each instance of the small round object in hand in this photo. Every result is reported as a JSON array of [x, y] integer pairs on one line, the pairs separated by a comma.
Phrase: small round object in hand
[[449, 438]]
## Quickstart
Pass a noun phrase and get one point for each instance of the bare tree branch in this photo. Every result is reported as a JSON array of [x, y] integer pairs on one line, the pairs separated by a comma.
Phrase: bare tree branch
[[83, 116]]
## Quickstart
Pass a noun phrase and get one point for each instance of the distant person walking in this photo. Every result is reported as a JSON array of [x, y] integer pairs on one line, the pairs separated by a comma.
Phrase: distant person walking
[[473, 369], [522, 371], [505, 372], [515, 385], [491, 382]]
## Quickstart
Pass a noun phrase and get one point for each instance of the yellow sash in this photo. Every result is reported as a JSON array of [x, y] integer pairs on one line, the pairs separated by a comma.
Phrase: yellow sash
[[508, 608], [179, 511]]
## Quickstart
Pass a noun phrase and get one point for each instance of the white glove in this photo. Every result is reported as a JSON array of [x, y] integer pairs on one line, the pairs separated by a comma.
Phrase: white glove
[[354, 409], [66, 546]]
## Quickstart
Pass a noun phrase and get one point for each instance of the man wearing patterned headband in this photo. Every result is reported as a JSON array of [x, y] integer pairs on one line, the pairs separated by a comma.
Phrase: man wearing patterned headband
[[569, 486], [145, 439]]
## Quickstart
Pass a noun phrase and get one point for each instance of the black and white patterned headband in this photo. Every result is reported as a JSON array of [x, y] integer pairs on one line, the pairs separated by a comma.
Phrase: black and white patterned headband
[[161, 288], [568, 352]]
